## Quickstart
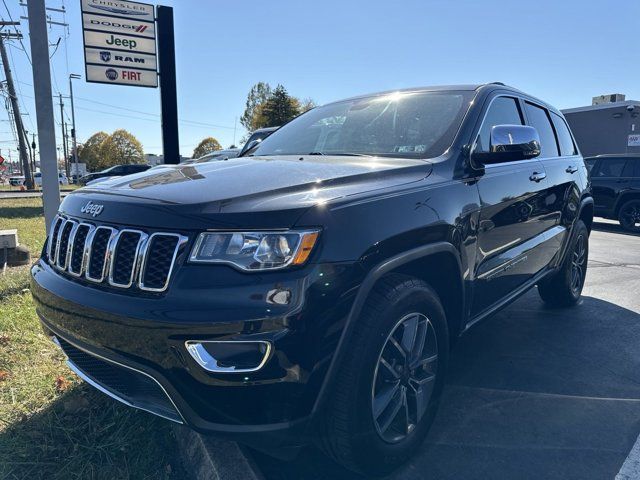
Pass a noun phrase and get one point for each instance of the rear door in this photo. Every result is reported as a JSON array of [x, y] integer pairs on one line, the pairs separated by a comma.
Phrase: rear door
[[511, 224], [561, 161], [606, 181]]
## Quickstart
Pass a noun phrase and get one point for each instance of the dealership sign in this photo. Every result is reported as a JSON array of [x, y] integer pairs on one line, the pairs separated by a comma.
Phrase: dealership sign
[[119, 42], [633, 141]]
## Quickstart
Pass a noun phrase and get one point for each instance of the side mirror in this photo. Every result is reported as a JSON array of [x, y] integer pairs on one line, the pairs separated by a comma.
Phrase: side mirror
[[509, 143]]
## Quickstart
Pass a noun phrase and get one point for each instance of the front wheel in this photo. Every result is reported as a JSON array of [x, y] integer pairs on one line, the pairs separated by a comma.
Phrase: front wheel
[[564, 288], [629, 216], [387, 390]]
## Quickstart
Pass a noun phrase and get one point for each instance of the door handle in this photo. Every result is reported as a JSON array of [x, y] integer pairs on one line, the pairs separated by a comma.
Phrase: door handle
[[537, 176], [571, 169]]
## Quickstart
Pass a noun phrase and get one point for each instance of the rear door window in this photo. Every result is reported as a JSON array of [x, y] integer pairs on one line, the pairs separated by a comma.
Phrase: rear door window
[[567, 147], [609, 167], [502, 111], [539, 119]]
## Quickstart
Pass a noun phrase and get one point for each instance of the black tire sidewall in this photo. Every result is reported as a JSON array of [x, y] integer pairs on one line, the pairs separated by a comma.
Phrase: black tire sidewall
[[628, 228], [372, 449]]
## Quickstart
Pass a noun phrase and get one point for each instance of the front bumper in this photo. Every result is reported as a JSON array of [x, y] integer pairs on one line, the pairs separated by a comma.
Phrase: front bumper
[[146, 335]]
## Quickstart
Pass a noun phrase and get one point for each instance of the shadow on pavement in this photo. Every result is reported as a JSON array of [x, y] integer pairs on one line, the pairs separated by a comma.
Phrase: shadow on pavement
[[532, 393], [602, 226]]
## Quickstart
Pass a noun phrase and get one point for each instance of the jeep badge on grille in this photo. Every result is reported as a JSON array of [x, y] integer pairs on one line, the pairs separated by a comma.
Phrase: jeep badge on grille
[[92, 209]]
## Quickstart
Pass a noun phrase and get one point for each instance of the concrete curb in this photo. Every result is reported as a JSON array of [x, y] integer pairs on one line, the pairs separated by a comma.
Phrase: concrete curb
[[208, 458]]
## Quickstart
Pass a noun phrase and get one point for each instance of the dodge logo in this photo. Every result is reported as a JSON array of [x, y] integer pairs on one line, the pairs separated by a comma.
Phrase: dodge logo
[[92, 209]]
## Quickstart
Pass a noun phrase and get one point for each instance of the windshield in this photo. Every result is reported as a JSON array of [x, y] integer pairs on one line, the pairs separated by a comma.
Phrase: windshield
[[409, 125]]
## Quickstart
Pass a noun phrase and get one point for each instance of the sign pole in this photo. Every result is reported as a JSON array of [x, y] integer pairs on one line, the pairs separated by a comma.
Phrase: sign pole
[[168, 93], [44, 108]]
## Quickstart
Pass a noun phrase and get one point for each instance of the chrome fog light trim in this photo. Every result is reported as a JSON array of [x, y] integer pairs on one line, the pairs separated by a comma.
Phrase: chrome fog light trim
[[209, 363]]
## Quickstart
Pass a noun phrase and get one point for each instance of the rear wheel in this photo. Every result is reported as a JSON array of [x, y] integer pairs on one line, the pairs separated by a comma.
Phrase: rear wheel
[[629, 216], [564, 288], [387, 390]]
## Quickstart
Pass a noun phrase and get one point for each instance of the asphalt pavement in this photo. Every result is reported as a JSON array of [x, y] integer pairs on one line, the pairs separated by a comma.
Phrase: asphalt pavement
[[535, 392]]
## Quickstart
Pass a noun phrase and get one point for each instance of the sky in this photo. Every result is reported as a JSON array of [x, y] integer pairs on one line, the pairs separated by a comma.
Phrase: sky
[[562, 51]]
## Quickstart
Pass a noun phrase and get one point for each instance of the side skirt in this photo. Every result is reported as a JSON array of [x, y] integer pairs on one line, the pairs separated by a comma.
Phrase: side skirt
[[513, 296]]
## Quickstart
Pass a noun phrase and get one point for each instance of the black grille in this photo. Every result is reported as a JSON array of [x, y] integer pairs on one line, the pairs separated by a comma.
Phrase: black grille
[[64, 243], [159, 260], [124, 257], [97, 254], [77, 250], [135, 388], [113, 256]]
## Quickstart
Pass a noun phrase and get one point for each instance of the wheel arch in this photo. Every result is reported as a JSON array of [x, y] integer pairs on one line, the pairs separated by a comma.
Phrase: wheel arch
[[624, 198], [438, 264], [586, 212]]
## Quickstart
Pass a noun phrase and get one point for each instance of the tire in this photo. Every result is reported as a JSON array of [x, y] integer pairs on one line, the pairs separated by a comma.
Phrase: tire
[[564, 288], [351, 435], [629, 216]]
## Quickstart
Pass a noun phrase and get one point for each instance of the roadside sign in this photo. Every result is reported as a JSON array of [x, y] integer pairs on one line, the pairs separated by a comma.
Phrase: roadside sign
[[633, 140], [1, 159], [119, 42]]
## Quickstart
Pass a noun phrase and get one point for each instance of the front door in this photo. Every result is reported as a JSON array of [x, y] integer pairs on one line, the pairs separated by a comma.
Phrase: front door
[[513, 213]]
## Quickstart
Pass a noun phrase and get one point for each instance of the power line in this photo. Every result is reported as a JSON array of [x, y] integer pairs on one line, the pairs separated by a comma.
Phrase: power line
[[20, 39]]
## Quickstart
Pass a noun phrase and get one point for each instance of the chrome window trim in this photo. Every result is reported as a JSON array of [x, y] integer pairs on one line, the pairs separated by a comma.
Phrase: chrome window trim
[[83, 261], [105, 260], [136, 254], [210, 364], [105, 390], [181, 241], [74, 225]]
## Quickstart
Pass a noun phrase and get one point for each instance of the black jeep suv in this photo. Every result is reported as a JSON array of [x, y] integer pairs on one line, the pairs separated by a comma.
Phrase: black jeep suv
[[615, 181], [310, 292]]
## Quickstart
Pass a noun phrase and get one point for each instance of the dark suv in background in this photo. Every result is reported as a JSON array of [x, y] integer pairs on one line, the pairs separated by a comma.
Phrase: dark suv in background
[[310, 291], [115, 171], [615, 181]]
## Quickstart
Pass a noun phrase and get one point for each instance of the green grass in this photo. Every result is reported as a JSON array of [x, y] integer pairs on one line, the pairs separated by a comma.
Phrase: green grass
[[52, 425]]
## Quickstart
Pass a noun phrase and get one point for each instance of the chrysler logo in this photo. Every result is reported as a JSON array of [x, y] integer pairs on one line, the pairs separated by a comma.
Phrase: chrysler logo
[[92, 209]]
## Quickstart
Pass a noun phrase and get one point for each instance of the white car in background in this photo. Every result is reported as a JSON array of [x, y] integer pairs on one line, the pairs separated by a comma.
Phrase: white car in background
[[62, 179]]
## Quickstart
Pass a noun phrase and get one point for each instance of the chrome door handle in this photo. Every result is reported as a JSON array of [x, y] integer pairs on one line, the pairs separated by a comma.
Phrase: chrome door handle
[[537, 176], [571, 169]]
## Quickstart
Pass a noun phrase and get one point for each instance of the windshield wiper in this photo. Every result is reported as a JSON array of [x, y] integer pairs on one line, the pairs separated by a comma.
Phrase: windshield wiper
[[341, 154]]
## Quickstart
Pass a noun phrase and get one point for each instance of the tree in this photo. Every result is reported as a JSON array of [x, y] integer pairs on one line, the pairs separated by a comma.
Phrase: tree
[[279, 108], [120, 148], [307, 104], [258, 94], [89, 152], [207, 145]]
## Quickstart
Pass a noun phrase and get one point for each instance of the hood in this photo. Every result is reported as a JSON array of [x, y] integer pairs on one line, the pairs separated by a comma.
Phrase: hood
[[248, 185]]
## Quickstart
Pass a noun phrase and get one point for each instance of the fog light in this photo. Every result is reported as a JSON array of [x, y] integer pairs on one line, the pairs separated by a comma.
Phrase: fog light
[[229, 356]]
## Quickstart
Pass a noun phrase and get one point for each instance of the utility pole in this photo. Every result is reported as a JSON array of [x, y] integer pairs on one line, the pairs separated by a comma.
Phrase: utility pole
[[74, 144], [22, 148], [64, 138], [44, 108]]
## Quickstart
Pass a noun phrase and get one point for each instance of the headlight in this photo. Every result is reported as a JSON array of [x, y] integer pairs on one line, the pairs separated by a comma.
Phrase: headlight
[[255, 250]]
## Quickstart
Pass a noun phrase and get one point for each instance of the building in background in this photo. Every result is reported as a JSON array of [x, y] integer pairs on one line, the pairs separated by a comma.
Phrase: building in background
[[610, 124]]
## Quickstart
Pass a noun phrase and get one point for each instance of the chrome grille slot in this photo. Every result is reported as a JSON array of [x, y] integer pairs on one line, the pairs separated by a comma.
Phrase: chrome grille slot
[[159, 257], [62, 247], [98, 253], [124, 256], [53, 239], [77, 252]]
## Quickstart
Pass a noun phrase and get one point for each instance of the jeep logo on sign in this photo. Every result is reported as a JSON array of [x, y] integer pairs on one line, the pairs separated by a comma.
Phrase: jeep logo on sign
[[93, 209]]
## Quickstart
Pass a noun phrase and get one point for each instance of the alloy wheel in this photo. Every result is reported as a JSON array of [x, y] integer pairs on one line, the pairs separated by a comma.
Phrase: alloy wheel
[[578, 261], [630, 216], [404, 377]]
